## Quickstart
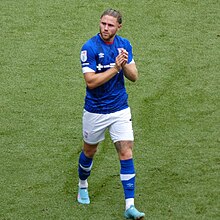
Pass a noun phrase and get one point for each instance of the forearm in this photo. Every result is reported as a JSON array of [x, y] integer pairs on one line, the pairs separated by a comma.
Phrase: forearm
[[94, 80], [130, 72]]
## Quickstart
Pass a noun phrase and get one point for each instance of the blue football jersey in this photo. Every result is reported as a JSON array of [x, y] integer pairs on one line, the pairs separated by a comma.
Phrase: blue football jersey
[[97, 56]]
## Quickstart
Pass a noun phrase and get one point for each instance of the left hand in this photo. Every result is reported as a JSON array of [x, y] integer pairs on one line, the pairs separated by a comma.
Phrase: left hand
[[125, 56]]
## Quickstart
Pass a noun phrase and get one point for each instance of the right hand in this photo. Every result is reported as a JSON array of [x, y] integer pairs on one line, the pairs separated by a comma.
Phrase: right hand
[[121, 60]]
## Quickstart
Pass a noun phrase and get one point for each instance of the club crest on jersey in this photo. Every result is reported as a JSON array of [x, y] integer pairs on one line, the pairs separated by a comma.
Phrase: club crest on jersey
[[83, 55], [120, 50]]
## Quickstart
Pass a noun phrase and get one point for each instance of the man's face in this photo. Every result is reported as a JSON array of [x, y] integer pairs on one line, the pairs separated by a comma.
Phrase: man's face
[[108, 27]]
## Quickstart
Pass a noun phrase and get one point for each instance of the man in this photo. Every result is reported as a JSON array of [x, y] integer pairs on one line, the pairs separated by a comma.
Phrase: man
[[106, 58]]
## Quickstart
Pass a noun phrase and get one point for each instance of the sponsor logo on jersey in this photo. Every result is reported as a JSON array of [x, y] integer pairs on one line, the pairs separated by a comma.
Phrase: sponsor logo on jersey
[[100, 66], [83, 55]]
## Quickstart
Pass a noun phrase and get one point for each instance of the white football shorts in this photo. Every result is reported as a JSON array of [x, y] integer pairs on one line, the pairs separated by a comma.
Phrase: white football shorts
[[118, 123]]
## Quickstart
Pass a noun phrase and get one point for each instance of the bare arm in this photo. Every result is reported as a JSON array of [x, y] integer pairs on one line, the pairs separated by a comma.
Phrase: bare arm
[[130, 71], [94, 80]]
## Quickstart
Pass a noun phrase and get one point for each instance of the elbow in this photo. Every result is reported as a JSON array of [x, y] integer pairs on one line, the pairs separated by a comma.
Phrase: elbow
[[91, 85], [90, 80], [135, 78]]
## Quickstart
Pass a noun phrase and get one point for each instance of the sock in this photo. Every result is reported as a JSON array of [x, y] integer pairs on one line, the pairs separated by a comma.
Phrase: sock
[[127, 175], [128, 203], [84, 169], [83, 184]]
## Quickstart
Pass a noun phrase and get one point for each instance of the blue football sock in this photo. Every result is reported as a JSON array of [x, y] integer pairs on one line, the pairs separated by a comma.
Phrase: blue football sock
[[84, 167], [127, 175]]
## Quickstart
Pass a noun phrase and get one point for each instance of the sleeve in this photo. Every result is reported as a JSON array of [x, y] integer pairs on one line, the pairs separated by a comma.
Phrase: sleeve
[[87, 57]]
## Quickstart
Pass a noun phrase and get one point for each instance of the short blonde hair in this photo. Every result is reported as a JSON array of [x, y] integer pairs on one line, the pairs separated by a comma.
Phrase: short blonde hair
[[113, 13]]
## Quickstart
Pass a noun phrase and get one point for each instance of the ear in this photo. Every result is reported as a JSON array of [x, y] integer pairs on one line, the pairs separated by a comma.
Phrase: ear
[[119, 26]]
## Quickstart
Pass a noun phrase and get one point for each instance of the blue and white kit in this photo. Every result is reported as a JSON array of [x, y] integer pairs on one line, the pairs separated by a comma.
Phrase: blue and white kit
[[98, 56]]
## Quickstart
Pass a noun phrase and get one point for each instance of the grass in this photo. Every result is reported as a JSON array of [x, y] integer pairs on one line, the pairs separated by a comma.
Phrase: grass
[[175, 107]]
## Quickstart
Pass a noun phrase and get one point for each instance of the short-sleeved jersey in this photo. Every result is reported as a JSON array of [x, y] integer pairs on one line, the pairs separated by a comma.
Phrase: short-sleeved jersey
[[97, 56]]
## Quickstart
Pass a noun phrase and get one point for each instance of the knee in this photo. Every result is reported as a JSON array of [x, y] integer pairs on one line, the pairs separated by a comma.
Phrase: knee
[[125, 155], [89, 150], [124, 149]]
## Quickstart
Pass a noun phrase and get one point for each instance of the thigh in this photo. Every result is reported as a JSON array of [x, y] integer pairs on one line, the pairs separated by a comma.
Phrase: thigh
[[94, 126], [121, 128]]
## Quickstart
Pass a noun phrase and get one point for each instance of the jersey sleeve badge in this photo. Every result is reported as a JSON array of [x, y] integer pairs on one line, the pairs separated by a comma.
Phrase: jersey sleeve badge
[[83, 55]]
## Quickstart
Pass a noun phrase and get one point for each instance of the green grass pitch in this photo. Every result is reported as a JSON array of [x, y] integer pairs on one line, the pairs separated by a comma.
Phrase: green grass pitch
[[175, 106]]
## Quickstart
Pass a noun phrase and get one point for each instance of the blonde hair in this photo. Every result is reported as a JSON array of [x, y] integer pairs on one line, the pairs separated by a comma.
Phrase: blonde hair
[[113, 13]]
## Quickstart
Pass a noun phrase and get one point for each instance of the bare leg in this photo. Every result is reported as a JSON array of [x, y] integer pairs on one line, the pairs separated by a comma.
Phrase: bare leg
[[124, 149], [90, 149]]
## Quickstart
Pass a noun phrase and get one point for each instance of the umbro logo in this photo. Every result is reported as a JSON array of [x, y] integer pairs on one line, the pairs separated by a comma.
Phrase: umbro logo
[[130, 185], [101, 55]]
